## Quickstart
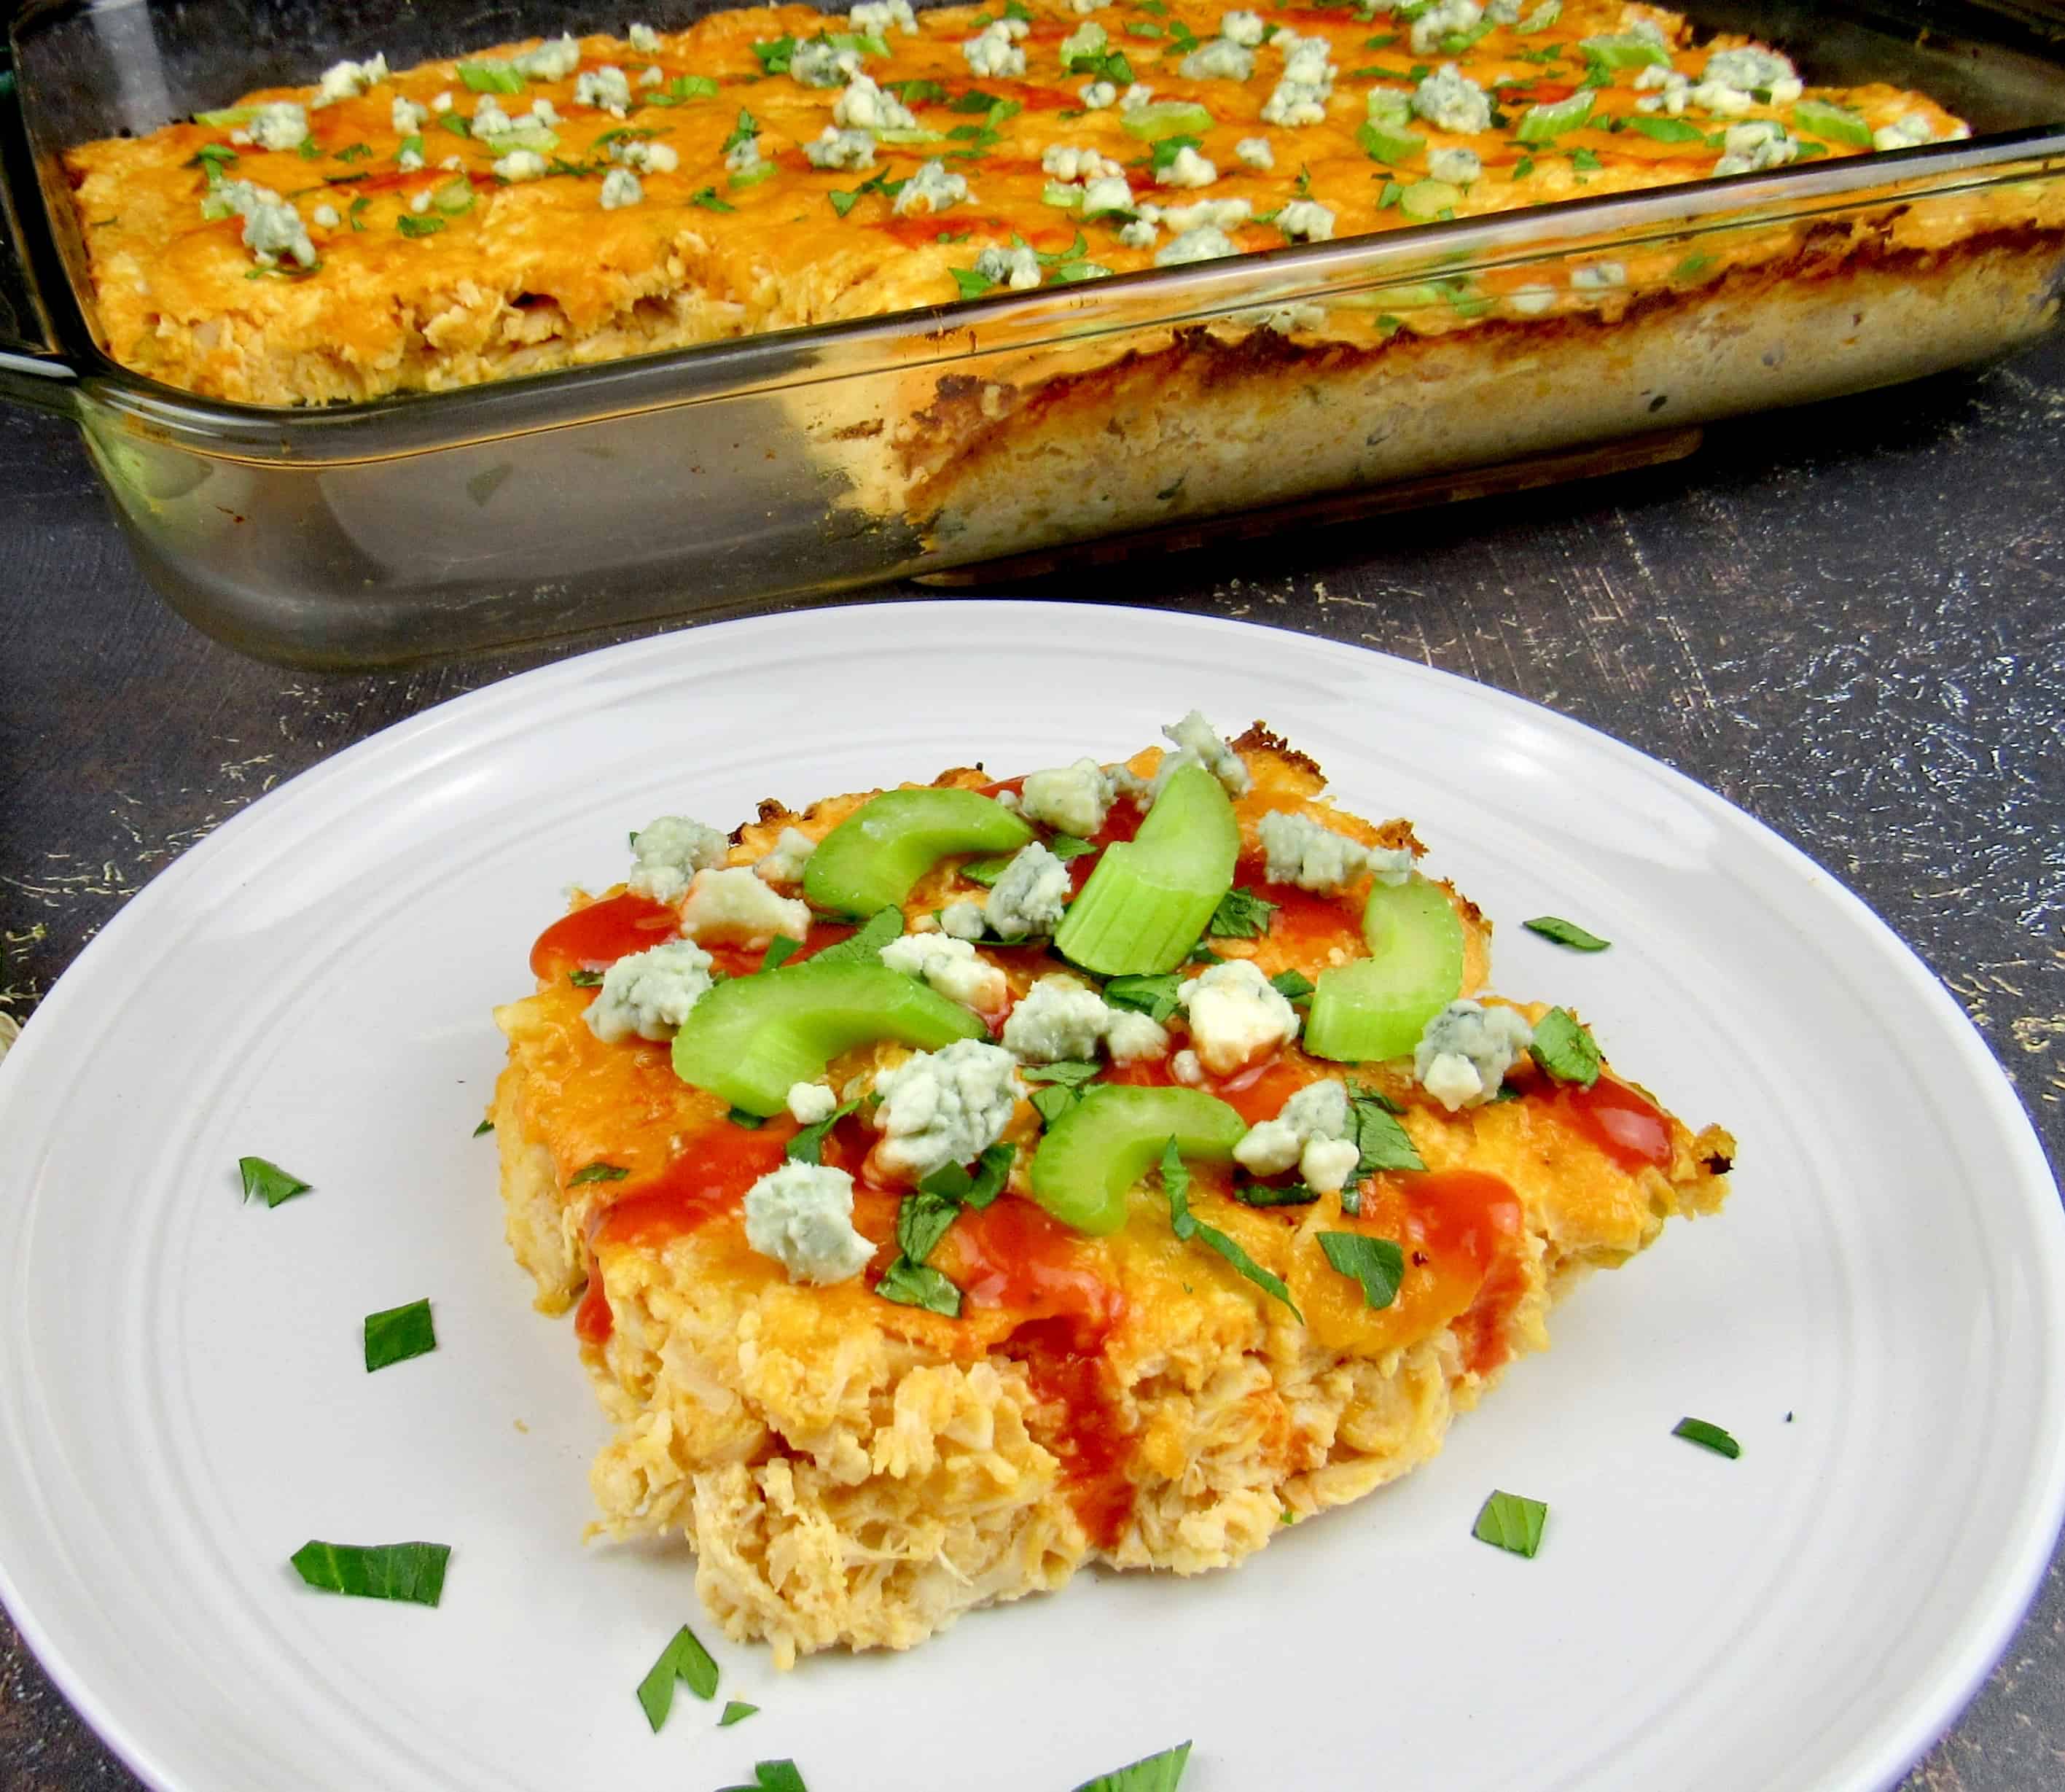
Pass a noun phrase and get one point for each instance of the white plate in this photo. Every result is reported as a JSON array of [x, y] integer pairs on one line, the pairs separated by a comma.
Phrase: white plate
[[182, 1403]]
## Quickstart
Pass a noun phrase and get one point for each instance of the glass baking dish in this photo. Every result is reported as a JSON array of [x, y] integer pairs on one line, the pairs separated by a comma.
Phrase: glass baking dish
[[704, 481]]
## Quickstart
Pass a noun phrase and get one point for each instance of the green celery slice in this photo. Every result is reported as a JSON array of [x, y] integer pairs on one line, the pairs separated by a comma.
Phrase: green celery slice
[[1376, 1008], [1150, 897], [1543, 124], [872, 858], [751, 1038], [1821, 118], [1090, 1158], [1625, 49], [1381, 144], [1429, 199], [1165, 118]]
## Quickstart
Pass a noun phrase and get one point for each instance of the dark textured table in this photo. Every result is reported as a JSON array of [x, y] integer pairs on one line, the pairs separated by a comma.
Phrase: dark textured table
[[1850, 620]]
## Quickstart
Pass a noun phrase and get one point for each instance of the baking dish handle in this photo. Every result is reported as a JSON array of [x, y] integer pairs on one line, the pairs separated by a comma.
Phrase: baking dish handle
[[30, 370]]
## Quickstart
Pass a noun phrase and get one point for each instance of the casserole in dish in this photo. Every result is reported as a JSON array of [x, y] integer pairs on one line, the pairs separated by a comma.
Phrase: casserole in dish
[[835, 453]]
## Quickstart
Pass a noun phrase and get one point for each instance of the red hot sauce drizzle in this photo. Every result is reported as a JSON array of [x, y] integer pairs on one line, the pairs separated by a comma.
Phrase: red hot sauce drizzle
[[1630, 1129]]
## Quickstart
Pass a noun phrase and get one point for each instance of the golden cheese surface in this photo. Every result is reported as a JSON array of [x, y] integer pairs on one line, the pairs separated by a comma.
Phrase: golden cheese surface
[[412, 231]]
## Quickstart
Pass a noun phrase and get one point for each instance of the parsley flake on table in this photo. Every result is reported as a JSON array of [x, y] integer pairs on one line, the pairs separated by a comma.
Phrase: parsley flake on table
[[398, 1334], [1153, 1773], [1510, 1522], [1565, 933], [1698, 1430], [267, 1182], [685, 1660], [410, 1573]]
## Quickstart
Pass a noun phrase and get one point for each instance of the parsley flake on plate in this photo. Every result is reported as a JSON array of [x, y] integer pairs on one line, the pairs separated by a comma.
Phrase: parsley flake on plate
[[411, 1573], [1698, 1430], [398, 1334], [685, 1660], [268, 1183], [1153, 1773], [1565, 933], [1509, 1521]]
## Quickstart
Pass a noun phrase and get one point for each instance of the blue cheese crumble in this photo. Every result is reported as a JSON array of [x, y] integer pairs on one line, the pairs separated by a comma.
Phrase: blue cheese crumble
[[1308, 84], [621, 188], [992, 52], [1187, 168], [733, 904], [942, 1107], [1305, 220], [1302, 851], [278, 124], [821, 63], [272, 229], [1059, 1017], [1030, 896], [785, 861], [865, 106], [1465, 1050], [1016, 266], [1310, 1131], [347, 80], [1448, 18], [553, 60], [802, 1216], [834, 148], [649, 993], [811, 1104], [606, 89], [1236, 1017], [1254, 152], [874, 18], [668, 852], [932, 188], [1220, 58], [951, 966], [1073, 800], [1449, 100]]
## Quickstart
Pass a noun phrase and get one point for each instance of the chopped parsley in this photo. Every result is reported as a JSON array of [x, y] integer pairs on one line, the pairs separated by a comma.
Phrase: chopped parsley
[[1153, 1773], [745, 1117], [1270, 1194], [1564, 1049], [585, 979], [1152, 994], [971, 285], [410, 225], [1241, 915], [772, 1776], [1565, 933], [597, 1171], [1698, 1430], [397, 1334], [1666, 130], [485, 1127], [865, 945], [411, 1573], [683, 88], [268, 1183], [915, 93], [1293, 986], [685, 1659], [1166, 149], [1176, 1185], [1512, 1523], [919, 1284], [709, 202], [808, 1145], [1378, 1264], [775, 55], [747, 128], [781, 949]]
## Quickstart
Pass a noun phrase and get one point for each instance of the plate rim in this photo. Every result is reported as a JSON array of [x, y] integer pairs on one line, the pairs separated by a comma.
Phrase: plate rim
[[1879, 1759]]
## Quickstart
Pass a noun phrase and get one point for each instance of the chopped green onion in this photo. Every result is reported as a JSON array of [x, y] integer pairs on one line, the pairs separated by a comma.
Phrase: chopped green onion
[[397, 1334], [1564, 1050], [1153, 1773], [1698, 1430], [1378, 1264], [269, 1182], [685, 1660], [411, 1573], [736, 1712], [1565, 933], [597, 1171], [1511, 1523]]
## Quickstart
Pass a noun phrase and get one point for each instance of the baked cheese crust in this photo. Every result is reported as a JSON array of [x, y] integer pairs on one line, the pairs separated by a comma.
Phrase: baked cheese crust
[[853, 1472], [406, 233]]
